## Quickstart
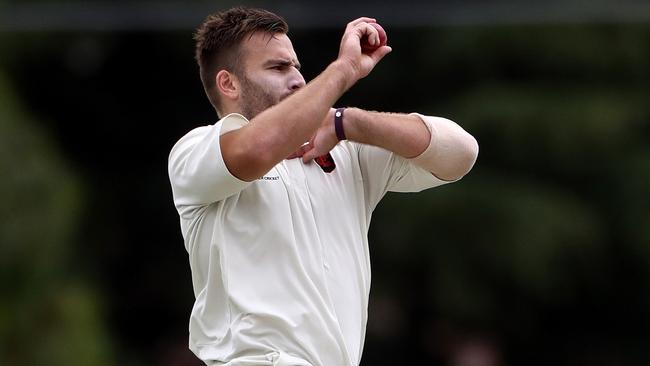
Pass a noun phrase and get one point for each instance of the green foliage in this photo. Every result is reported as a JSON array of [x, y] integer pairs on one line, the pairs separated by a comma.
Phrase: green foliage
[[46, 315]]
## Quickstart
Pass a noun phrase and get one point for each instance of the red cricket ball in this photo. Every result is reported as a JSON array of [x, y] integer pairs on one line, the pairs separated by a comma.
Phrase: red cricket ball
[[366, 47]]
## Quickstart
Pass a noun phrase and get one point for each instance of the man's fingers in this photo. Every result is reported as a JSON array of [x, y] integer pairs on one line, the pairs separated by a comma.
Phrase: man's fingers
[[309, 156], [296, 154], [380, 52], [362, 20], [364, 29], [372, 33], [310, 153], [300, 152]]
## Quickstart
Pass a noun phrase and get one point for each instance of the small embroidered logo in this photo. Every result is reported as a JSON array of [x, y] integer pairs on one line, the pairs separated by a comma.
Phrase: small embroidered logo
[[269, 178]]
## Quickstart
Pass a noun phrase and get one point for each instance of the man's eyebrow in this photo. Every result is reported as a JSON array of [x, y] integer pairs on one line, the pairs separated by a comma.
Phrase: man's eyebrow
[[282, 62]]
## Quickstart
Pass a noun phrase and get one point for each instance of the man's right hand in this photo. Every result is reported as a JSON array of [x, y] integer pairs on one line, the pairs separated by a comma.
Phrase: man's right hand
[[350, 50]]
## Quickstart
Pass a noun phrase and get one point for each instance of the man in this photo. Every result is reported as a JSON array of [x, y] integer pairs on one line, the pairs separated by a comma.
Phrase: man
[[276, 228]]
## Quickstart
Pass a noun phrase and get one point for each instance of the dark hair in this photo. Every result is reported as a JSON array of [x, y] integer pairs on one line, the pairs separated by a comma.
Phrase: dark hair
[[218, 41]]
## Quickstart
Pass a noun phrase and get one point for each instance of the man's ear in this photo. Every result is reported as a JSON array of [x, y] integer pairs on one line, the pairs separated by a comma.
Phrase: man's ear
[[228, 85]]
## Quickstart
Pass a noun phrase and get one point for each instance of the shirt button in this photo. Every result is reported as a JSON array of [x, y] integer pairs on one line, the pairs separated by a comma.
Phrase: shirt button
[[326, 266]]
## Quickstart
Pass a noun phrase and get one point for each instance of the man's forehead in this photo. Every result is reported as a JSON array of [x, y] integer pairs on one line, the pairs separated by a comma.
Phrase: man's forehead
[[263, 45]]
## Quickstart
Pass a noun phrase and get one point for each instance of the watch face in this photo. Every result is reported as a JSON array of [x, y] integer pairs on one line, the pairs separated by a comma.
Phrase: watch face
[[326, 162]]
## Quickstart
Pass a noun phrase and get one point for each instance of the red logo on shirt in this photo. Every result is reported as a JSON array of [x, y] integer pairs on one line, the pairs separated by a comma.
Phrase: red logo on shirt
[[326, 162]]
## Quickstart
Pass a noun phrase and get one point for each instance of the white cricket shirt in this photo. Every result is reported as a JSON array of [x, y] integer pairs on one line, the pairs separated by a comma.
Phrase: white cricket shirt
[[280, 266]]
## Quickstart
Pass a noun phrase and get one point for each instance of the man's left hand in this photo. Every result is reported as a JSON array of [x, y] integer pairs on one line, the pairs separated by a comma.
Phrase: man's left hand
[[323, 141]]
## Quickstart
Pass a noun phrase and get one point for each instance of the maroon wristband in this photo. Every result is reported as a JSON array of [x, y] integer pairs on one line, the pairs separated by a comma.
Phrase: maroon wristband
[[338, 124]]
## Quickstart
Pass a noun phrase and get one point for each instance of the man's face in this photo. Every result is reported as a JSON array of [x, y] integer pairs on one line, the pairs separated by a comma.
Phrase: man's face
[[271, 72]]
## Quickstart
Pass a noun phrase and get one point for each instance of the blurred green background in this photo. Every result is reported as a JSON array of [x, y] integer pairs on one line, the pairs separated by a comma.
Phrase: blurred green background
[[541, 255]]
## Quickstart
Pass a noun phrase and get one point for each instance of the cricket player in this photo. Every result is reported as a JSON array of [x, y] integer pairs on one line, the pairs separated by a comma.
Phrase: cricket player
[[275, 198]]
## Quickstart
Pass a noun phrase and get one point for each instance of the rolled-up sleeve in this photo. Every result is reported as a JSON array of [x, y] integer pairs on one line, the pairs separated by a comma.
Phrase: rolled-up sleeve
[[197, 171]]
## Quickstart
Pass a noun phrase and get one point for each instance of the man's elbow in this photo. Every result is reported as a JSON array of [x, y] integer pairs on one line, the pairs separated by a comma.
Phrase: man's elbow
[[454, 156], [460, 159], [452, 151]]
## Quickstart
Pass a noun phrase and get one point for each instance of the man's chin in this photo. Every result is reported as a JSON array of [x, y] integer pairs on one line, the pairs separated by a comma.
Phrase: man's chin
[[253, 112]]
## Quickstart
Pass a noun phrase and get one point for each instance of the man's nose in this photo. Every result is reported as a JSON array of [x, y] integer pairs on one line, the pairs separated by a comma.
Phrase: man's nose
[[297, 82]]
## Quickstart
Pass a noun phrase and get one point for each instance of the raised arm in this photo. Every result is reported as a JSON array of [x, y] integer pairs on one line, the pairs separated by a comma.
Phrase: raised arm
[[436, 144], [251, 151]]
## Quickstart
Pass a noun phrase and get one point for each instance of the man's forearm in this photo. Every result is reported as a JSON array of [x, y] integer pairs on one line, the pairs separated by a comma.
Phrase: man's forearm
[[281, 129], [287, 125], [402, 134], [436, 144]]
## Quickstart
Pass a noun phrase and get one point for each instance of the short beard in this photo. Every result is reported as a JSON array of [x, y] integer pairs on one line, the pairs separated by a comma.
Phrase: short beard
[[254, 98]]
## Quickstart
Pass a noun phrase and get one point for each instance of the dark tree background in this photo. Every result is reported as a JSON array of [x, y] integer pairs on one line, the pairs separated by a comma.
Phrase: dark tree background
[[541, 255]]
